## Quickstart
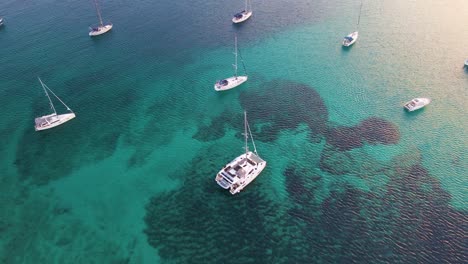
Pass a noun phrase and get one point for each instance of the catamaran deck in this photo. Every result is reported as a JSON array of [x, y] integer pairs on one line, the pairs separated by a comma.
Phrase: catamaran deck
[[241, 166]]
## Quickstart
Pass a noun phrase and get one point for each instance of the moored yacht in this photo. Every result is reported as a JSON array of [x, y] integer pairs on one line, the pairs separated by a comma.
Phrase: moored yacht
[[101, 28], [229, 83], [244, 14], [350, 39], [417, 103], [52, 120], [234, 81], [241, 171]]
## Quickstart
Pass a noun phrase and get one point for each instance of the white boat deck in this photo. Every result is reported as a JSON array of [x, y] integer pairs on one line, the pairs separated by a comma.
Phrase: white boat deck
[[417, 103], [240, 172]]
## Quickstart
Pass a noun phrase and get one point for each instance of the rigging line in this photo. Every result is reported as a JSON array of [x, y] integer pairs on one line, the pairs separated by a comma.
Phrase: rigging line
[[98, 13], [235, 57], [242, 60], [68, 108], [246, 136], [251, 136], [359, 18], [50, 100]]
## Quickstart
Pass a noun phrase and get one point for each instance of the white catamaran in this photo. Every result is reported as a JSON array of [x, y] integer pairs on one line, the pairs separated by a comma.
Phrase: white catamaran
[[353, 36], [232, 82], [52, 120], [237, 174], [101, 28], [244, 14]]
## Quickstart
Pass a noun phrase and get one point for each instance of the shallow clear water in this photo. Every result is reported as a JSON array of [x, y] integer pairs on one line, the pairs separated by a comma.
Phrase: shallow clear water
[[351, 177]]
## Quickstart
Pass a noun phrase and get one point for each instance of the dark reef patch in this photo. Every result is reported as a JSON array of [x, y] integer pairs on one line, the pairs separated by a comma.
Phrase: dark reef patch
[[372, 130], [201, 223], [344, 162], [301, 183], [407, 219], [272, 110], [376, 130], [336, 162], [285, 105], [426, 229], [215, 130], [344, 138], [410, 221]]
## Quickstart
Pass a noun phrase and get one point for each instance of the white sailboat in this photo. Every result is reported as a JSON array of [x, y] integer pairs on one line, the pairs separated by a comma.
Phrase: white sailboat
[[351, 38], [101, 28], [231, 82], [1, 21], [244, 14], [237, 174], [52, 120]]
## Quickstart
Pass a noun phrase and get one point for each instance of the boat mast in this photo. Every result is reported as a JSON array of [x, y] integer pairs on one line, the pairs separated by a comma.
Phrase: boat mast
[[235, 55], [98, 13], [246, 136], [251, 136], [246, 10], [359, 17], [47, 94]]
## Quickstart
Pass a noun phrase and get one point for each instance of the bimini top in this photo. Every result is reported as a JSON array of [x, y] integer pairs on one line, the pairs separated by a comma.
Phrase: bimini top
[[223, 82], [348, 38], [239, 15]]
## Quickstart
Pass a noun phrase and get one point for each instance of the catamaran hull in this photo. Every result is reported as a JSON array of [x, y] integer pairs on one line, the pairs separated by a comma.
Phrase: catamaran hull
[[244, 17], [237, 186], [353, 35], [101, 30], [56, 121], [249, 179], [233, 82]]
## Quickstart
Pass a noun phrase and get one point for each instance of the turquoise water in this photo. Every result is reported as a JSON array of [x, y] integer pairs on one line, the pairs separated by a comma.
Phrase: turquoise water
[[351, 177]]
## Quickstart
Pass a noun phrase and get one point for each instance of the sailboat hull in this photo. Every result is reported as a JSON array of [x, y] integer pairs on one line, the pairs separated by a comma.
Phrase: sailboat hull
[[245, 16], [100, 30], [350, 39], [232, 82], [53, 120]]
